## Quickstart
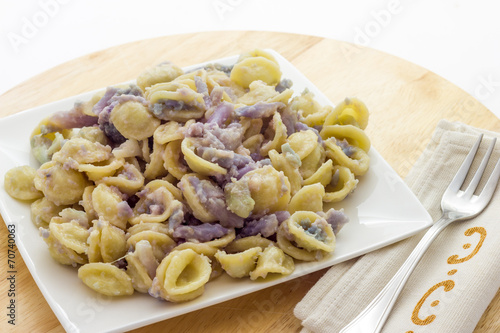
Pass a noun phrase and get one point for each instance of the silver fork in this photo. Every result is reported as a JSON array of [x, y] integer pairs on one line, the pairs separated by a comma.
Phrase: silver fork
[[456, 205]]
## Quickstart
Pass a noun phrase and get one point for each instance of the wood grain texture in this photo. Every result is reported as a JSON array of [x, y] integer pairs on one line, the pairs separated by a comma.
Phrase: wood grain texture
[[405, 101]]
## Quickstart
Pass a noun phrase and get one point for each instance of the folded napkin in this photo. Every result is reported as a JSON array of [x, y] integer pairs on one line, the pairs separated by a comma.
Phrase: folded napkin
[[457, 277]]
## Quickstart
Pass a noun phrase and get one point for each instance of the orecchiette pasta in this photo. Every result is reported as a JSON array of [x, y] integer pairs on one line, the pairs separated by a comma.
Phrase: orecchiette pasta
[[272, 260], [181, 276], [163, 185], [254, 68], [19, 183], [43, 210], [164, 72], [109, 205], [106, 279], [141, 266], [134, 121], [240, 264], [62, 186], [106, 242]]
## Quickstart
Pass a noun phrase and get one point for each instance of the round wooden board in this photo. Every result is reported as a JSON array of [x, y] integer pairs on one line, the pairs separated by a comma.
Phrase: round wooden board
[[405, 102]]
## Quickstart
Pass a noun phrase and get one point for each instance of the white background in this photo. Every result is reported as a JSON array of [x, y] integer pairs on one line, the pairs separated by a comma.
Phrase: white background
[[457, 39]]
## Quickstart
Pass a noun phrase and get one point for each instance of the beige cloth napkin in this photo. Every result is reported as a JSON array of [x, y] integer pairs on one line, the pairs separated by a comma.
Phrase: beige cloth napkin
[[464, 259]]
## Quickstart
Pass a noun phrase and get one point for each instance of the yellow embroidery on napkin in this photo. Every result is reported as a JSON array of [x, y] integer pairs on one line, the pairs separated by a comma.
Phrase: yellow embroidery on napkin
[[454, 259], [448, 285]]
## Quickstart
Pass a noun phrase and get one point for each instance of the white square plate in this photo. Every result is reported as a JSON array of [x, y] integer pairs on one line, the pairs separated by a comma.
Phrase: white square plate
[[382, 211]]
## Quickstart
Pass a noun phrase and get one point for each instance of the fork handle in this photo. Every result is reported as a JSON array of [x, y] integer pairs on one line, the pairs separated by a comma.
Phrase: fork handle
[[373, 317]]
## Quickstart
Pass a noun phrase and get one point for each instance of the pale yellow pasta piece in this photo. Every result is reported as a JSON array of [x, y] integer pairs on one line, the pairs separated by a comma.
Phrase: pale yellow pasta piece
[[107, 243], [351, 111], [295, 252], [176, 91], [154, 206], [269, 189], [289, 163], [207, 248], [317, 118], [165, 72], [94, 250], [135, 162], [189, 192], [223, 241], [181, 276], [128, 179], [345, 183], [18, 183], [238, 197], [60, 185], [160, 242], [255, 68], [198, 164], [251, 127], [322, 175], [134, 120], [258, 53], [182, 92], [147, 151], [354, 135], [71, 235], [61, 253], [358, 162], [254, 143], [170, 131], [189, 78], [245, 243], [158, 227], [44, 146], [176, 192], [305, 104], [309, 197], [87, 106], [106, 279], [217, 79], [73, 214], [272, 260], [42, 211], [103, 169], [303, 143], [141, 266], [107, 203], [82, 151], [113, 243], [259, 91], [278, 133], [155, 167], [282, 97], [312, 162], [130, 148], [172, 159], [200, 248], [310, 231], [93, 134], [48, 129], [86, 203], [238, 265]]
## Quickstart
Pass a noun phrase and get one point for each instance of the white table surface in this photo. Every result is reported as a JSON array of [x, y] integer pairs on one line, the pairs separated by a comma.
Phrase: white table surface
[[457, 39]]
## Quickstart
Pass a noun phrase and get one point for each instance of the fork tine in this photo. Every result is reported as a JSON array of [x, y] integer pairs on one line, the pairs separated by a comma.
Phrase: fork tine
[[491, 185], [479, 173], [459, 178]]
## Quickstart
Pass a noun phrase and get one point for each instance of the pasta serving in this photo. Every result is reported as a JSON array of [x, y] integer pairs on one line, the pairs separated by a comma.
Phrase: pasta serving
[[160, 186]]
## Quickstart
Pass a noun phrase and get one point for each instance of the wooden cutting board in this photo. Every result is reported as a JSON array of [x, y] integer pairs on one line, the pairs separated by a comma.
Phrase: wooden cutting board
[[405, 101]]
